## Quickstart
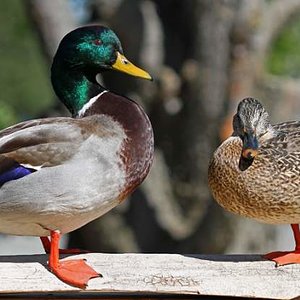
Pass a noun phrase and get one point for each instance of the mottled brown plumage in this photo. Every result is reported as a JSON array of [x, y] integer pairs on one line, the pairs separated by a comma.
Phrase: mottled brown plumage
[[268, 190], [256, 172]]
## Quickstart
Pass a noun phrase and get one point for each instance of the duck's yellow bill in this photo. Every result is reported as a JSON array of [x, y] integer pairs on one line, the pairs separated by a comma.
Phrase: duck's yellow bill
[[122, 64]]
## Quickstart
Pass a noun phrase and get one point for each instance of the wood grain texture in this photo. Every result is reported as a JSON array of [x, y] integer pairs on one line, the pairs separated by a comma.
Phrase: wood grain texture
[[213, 275]]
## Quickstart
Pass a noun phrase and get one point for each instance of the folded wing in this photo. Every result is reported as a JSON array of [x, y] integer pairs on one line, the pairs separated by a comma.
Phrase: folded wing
[[29, 146]]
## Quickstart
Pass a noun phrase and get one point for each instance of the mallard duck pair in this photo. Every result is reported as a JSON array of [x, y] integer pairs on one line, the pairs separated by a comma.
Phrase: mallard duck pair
[[57, 174], [256, 172]]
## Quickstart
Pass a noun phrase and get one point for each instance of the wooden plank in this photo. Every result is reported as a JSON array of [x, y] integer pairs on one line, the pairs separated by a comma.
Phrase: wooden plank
[[213, 275]]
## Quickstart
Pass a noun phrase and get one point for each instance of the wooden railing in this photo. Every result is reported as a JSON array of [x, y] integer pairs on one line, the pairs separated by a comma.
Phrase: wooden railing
[[148, 276]]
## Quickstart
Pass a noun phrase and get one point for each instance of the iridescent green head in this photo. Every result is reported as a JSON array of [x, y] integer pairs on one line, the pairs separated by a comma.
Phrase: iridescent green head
[[93, 46], [82, 54]]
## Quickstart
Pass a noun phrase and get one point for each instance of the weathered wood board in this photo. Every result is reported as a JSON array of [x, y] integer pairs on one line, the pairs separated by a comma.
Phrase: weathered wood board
[[214, 275]]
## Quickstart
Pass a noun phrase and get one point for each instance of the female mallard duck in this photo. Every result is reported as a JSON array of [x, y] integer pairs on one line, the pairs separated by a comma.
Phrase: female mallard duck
[[256, 172], [57, 174]]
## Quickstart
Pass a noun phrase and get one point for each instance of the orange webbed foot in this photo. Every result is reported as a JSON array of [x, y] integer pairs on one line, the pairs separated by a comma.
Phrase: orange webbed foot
[[282, 258], [75, 272]]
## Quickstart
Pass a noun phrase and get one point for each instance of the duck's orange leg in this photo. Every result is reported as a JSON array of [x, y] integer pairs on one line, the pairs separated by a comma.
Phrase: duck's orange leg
[[287, 257], [47, 246], [73, 272]]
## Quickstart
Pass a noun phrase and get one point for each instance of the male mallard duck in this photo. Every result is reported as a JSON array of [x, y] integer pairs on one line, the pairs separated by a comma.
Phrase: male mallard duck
[[57, 174], [256, 172]]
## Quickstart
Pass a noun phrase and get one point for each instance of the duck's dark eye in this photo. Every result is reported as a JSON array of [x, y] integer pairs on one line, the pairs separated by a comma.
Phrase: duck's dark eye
[[97, 42]]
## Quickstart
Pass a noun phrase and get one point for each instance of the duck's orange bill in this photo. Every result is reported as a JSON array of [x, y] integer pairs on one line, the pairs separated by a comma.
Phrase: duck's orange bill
[[249, 153]]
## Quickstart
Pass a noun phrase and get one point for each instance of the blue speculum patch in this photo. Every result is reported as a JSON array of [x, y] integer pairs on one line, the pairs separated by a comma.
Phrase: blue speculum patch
[[14, 173]]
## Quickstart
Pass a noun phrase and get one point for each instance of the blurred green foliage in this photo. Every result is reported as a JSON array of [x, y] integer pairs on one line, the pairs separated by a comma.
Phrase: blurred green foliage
[[7, 115], [284, 57], [25, 89]]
